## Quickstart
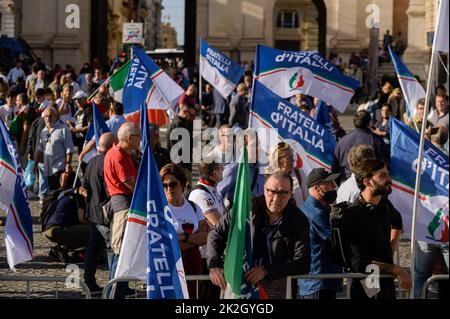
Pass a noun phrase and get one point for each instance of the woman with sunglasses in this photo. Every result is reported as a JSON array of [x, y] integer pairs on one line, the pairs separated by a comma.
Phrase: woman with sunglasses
[[189, 221], [281, 157]]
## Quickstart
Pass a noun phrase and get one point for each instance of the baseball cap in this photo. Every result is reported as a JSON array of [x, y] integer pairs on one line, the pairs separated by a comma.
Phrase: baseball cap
[[80, 94], [319, 175]]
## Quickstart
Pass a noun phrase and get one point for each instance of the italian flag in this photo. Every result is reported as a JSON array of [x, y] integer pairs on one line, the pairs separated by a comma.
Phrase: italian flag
[[117, 81]]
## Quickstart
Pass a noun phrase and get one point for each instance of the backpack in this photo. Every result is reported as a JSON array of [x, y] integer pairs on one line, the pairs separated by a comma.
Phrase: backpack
[[339, 245]]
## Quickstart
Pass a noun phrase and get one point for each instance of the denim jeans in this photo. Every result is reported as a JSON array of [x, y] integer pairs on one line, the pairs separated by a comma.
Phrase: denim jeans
[[43, 182], [323, 294], [425, 254]]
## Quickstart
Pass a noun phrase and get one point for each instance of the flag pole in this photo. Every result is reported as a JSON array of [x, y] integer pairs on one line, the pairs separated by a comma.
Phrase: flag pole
[[420, 156], [104, 83], [76, 174]]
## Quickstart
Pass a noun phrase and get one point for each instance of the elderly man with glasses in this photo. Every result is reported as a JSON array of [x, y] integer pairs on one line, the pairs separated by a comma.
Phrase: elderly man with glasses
[[281, 245]]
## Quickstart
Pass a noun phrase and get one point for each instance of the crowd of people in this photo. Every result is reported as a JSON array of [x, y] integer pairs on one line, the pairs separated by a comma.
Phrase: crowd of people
[[48, 122]]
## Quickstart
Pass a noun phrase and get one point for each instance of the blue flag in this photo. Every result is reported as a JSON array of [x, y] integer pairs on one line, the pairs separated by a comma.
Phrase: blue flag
[[19, 226], [97, 127], [312, 142], [307, 72], [218, 69], [432, 218], [146, 81], [411, 88], [322, 117], [145, 126]]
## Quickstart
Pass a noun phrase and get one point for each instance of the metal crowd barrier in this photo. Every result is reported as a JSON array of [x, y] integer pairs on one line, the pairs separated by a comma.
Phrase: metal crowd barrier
[[56, 280], [109, 289], [424, 293], [331, 276]]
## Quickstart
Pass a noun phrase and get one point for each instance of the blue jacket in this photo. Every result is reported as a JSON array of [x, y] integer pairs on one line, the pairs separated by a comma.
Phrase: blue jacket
[[321, 255]]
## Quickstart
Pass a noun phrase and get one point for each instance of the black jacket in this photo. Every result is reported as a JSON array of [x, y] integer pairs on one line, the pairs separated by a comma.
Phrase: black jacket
[[291, 253]]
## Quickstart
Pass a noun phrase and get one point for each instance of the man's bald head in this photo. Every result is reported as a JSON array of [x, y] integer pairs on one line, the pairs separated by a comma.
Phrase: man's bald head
[[106, 141], [126, 130]]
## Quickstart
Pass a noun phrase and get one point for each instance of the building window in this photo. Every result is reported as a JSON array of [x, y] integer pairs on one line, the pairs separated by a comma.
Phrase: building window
[[287, 19]]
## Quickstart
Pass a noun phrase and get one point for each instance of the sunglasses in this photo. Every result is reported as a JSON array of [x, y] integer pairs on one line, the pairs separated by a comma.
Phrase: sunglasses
[[171, 185]]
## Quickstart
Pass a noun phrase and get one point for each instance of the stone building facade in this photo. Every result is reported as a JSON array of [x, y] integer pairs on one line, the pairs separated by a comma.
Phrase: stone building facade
[[326, 25]]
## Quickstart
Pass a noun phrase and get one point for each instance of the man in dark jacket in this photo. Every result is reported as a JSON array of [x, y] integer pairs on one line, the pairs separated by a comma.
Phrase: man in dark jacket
[[360, 135], [94, 191], [366, 227], [238, 111], [160, 154], [281, 245]]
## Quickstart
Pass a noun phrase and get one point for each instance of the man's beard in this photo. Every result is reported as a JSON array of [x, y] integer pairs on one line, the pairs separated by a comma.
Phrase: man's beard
[[382, 190]]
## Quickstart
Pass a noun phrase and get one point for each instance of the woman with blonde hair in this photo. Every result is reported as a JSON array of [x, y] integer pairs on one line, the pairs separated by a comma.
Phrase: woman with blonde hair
[[281, 157]]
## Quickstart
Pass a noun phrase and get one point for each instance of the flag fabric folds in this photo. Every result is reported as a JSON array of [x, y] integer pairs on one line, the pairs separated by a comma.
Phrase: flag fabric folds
[[432, 217], [411, 88], [238, 255], [307, 72], [441, 36], [18, 227], [323, 117], [146, 81], [97, 127], [144, 125], [312, 142], [150, 248], [117, 81], [218, 69], [8, 172]]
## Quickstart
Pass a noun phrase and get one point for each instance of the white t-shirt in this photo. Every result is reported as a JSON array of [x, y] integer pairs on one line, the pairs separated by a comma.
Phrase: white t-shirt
[[185, 214], [348, 191], [207, 201]]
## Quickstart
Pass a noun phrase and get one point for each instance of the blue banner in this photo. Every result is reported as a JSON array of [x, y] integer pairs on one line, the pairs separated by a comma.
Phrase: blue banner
[[137, 85], [404, 153], [432, 219], [292, 124], [97, 127], [145, 126], [322, 117], [269, 59], [229, 69], [165, 267]]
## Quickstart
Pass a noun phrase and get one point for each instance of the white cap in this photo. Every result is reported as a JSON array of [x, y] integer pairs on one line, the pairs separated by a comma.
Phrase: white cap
[[80, 94]]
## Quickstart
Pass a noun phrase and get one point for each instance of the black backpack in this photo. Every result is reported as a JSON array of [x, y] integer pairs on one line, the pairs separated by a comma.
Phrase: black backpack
[[340, 246]]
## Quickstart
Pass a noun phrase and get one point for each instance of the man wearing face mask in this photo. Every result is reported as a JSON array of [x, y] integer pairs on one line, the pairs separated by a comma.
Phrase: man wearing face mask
[[322, 193], [366, 227]]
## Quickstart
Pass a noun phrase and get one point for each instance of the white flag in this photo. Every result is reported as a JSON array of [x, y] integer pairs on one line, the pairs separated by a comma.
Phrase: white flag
[[441, 34]]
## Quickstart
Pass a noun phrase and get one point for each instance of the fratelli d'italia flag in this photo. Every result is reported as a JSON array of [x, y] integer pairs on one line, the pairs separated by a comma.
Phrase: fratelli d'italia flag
[[312, 142], [411, 88], [14, 201], [289, 72], [150, 247], [141, 79], [432, 216], [218, 69]]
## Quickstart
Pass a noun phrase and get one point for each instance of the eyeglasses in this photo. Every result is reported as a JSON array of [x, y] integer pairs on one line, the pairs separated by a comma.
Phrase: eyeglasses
[[273, 192], [170, 185]]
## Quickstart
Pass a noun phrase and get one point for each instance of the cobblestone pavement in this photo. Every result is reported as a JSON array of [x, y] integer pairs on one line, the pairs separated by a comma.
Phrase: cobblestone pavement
[[44, 265]]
